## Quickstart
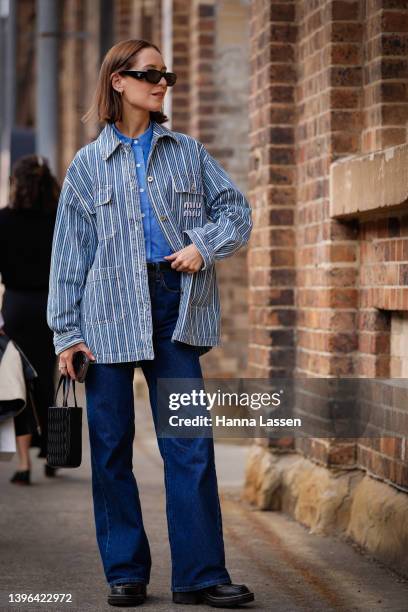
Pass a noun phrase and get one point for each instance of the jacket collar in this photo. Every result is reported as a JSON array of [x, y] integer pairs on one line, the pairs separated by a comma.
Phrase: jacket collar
[[109, 141]]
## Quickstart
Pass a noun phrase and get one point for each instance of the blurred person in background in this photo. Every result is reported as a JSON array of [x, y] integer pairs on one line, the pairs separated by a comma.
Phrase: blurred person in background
[[26, 231]]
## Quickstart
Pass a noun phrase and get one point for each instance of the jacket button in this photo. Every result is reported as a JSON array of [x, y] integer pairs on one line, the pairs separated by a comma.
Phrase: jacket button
[[150, 178], [163, 218]]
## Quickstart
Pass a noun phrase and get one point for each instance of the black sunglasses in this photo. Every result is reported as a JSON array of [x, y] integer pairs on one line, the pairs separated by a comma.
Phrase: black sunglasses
[[151, 75]]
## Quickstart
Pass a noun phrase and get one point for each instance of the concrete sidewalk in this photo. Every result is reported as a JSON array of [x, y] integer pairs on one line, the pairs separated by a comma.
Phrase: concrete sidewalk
[[48, 545]]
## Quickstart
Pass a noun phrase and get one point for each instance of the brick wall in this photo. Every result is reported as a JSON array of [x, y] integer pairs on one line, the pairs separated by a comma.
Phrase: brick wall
[[366, 112], [91, 54], [202, 75], [25, 63], [181, 114], [210, 102], [385, 74], [399, 345], [328, 95], [383, 240], [336, 82], [80, 61], [330, 75], [387, 457], [141, 19], [127, 22], [71, 81], [229, 109], [272, 189]]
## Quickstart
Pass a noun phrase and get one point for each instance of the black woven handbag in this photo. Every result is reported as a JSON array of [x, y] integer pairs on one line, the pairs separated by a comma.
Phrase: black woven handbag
[[64, 445]]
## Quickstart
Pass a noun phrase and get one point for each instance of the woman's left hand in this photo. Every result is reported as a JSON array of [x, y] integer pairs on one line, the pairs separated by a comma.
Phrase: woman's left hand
[[188, 259]]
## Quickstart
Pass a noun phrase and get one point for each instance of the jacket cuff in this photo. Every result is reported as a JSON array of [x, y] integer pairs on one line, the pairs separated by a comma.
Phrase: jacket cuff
[[66, 340], [197, 237]]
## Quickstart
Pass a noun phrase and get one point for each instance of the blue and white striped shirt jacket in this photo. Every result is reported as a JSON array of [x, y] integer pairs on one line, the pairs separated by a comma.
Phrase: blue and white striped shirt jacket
[[99, 290]]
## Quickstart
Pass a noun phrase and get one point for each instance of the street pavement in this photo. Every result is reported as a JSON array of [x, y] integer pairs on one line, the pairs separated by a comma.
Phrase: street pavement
[[47, 543]]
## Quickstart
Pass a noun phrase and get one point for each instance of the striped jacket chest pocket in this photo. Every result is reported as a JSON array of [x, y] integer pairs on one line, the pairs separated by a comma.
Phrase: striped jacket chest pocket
[[189, 199], [106, 212]]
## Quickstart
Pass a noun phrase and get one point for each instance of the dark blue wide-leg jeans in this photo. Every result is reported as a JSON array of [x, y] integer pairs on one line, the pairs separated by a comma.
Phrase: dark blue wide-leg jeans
[[192, 503]]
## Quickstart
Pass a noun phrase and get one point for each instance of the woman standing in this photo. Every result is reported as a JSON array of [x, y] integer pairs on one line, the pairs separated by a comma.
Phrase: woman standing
[[144, 214], [26, 231]]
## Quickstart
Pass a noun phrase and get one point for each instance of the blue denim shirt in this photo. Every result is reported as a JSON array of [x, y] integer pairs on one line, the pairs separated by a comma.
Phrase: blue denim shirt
[[99, 286], [156, 244]]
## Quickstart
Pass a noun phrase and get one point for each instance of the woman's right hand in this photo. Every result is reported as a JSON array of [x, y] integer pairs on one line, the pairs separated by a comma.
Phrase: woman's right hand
[[65, 358]]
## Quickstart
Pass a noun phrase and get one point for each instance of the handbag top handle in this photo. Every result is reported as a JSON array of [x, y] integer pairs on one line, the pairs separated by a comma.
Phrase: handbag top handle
[[66, 383]]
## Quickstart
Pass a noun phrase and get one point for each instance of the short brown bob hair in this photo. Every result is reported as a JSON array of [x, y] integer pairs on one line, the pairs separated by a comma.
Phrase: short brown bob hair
[[107, 103]]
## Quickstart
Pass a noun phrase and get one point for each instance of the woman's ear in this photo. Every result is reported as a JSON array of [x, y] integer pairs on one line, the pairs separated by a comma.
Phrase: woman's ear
[[117, 82]]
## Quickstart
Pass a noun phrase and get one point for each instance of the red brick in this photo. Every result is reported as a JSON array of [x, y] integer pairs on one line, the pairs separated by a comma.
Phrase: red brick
[[345, 10]]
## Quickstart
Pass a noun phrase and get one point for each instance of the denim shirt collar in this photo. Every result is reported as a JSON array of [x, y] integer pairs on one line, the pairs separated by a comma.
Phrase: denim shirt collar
[[143, 139], [108, 140]]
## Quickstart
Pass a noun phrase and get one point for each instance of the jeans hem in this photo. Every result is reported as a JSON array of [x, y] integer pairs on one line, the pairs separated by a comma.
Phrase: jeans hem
[[203, 585], [128, 581]]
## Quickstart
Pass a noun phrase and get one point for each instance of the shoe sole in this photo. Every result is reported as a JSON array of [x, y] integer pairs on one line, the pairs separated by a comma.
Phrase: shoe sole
[[226, 602], [126, 601]]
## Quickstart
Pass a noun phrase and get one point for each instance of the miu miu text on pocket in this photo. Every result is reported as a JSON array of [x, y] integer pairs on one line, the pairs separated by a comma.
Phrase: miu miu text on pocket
[[192, 209]]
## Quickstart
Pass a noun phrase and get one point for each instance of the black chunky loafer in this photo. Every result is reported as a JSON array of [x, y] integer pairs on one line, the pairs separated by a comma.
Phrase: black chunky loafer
[[218, 596], [132, 594]]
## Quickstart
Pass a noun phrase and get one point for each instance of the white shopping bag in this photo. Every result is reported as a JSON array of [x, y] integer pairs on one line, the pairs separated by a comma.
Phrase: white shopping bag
[[7, 440], [12, 383]]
